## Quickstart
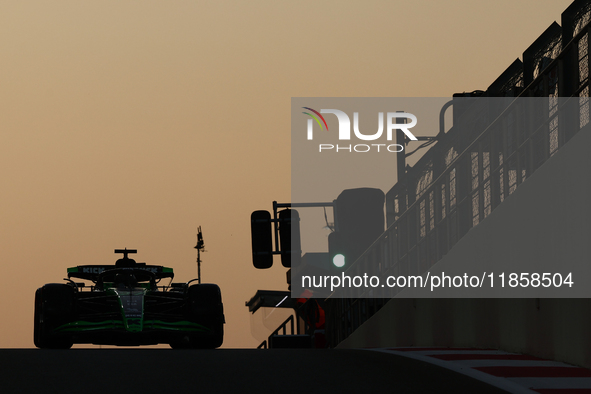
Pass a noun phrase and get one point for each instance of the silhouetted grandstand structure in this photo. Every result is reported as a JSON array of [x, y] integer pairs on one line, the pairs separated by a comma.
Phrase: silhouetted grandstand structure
[[479, 162]]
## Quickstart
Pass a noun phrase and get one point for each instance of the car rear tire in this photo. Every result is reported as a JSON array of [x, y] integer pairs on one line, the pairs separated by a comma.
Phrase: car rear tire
[[54, 304], [206, 308]]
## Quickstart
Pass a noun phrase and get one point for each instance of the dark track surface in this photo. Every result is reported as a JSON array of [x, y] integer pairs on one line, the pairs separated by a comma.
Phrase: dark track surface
[[90, 371]]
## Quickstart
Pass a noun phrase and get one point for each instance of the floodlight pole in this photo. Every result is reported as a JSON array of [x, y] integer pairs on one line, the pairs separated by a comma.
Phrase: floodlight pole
[[200, 246]]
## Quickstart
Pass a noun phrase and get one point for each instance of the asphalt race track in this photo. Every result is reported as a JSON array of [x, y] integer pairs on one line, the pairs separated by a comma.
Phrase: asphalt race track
[[224, 371]]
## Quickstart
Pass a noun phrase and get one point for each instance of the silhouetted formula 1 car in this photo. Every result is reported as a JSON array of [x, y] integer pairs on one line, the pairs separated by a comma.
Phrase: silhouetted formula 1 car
[[126, 306]]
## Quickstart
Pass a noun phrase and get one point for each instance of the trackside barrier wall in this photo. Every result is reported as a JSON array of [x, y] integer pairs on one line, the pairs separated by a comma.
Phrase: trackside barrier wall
[[556, 329]]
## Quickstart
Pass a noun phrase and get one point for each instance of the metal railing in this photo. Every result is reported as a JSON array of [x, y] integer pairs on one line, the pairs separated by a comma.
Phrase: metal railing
[[282, 327]]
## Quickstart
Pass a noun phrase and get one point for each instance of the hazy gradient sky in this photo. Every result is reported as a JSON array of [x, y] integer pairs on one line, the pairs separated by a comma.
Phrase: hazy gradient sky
[[130, 123]]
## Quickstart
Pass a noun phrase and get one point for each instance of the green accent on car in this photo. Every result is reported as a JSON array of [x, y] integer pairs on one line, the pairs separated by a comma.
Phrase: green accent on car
[[176, 326], [81, 325]]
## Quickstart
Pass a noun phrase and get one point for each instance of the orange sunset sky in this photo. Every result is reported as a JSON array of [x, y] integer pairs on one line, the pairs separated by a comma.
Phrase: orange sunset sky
[[129, 123]]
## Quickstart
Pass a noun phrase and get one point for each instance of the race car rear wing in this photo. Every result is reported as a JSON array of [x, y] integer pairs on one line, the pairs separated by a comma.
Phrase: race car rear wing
[[91, 272]]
